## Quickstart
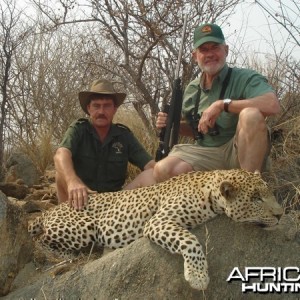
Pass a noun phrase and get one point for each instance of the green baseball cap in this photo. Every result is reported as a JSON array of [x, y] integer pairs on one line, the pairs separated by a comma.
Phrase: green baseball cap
[[208, 33]]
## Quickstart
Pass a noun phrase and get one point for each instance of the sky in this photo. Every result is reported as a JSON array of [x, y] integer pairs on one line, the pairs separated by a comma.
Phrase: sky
[[258, 32], [251, 30]]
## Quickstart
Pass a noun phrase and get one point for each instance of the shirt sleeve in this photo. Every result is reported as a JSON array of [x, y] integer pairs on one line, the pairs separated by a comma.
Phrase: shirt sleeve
[[71, 138], [255, 85], [138, 156]]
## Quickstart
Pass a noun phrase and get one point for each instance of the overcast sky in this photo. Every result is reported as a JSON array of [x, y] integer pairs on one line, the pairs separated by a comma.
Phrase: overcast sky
[[252, 31], [259, 32]]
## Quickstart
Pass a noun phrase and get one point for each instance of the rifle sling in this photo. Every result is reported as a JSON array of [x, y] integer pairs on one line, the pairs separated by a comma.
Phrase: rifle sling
[[222, 93]]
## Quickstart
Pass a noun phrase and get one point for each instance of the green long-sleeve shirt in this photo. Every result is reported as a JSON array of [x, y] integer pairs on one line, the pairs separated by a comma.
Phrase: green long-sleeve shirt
[[103, 166]]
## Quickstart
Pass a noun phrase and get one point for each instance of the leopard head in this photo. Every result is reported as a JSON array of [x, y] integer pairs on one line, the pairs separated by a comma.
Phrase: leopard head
[[247, 198]]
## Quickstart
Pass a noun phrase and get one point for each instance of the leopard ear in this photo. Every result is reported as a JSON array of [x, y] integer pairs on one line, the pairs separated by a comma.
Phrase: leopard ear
[[227, 190], [257, 172]]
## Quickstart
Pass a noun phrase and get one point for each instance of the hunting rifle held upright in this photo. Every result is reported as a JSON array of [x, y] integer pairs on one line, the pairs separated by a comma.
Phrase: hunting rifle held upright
[[168, 136]]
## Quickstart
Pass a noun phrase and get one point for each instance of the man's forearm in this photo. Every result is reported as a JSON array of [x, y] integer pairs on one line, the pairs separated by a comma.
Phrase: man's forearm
[[268, 104], [64, 164]]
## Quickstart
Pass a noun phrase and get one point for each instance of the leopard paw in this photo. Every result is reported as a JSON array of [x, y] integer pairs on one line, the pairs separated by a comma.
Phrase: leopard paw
[[198, 279]]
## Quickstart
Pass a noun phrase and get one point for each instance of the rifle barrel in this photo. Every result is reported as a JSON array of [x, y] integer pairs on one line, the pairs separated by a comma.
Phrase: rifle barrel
[[181, 47]]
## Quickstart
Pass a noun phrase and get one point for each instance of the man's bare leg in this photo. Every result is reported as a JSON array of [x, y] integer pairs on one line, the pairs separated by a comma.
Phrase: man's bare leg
[[145, 178], [163, 170], [252, 139], [169, 167]]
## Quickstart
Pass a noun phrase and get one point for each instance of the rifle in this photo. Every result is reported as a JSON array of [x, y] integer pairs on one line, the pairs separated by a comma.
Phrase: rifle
[[168, 136]]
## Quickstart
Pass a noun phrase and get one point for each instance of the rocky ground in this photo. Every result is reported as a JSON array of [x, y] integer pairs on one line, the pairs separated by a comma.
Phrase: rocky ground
[[140, 271], [143, 270]]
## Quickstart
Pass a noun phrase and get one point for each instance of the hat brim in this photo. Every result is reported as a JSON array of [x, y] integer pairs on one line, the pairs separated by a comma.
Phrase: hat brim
[[84, 98], [208, 39]]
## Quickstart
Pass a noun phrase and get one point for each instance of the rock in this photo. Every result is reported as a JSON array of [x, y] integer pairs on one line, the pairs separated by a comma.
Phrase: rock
[[20, 166], [15, 246], [11, 189], [143, 270], [40, 195], [37, 206]]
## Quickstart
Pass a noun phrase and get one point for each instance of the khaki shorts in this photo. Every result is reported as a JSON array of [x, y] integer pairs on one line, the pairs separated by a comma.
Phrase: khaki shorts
[[200, 158]]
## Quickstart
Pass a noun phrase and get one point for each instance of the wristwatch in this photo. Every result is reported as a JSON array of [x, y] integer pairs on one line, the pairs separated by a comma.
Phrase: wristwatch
[[226, 104]]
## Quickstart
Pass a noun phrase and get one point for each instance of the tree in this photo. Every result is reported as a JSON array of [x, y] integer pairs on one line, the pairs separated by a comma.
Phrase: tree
[[139, 40], [11, 37], [45, 86]]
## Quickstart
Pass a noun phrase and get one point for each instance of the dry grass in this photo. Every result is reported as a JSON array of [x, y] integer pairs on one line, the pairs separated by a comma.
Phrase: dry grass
[[39, 148], [285, 176]]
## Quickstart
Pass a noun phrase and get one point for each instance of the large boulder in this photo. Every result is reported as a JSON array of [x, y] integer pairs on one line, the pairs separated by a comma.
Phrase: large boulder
[[143, 270], [20, 166], [16, 245]]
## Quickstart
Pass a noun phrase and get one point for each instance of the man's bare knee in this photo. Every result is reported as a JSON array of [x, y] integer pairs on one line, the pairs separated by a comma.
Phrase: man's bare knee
[[252, 139], [252, 119]]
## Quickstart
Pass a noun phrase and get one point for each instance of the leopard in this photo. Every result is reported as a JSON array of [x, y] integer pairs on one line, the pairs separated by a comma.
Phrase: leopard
[[164, 213]]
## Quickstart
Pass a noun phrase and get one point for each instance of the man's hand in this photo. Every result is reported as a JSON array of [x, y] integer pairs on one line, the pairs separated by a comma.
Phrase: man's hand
[[209, 116], [161, 120], [78, 194]]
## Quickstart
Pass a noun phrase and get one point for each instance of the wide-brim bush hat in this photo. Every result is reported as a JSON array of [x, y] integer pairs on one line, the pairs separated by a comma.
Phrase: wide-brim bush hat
[[101, 87], [208, 33]]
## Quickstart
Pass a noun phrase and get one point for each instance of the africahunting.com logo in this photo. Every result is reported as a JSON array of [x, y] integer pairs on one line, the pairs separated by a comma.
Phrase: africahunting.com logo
[[263, 280]]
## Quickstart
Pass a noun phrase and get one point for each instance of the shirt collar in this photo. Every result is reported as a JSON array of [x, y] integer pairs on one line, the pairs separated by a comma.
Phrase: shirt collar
[[113, 131]]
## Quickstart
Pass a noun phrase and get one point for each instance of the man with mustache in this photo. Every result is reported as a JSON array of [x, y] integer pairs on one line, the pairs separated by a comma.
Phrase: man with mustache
[[94, 153], [224, 110]]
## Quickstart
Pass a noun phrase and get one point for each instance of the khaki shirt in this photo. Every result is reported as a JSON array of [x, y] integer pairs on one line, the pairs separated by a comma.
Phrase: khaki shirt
[[103, 166], [243, 84]]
